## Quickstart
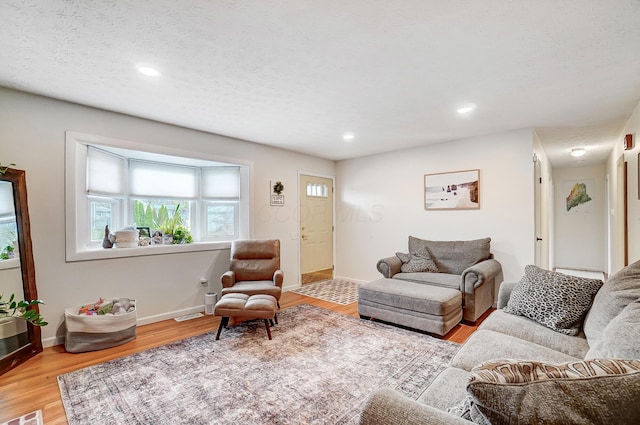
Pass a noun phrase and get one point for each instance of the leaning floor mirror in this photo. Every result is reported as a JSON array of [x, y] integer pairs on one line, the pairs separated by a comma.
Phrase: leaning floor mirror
[[19, 340]]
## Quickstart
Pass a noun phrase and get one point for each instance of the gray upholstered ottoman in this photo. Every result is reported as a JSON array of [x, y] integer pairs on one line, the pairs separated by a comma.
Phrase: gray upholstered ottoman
[[428, 308]]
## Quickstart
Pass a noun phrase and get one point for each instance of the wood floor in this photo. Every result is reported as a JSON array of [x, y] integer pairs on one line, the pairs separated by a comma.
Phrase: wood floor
[[316, 276], [33, 385]]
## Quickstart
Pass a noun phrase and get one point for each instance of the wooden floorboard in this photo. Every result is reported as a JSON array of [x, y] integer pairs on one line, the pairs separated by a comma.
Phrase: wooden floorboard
[[33, 385]]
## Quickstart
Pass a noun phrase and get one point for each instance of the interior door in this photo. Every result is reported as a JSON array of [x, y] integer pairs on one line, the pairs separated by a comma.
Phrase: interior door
[[537, 184], [316, 228]]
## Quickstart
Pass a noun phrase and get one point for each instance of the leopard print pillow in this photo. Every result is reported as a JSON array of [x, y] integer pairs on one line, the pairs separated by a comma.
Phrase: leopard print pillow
[[555, 300], [418, 261]]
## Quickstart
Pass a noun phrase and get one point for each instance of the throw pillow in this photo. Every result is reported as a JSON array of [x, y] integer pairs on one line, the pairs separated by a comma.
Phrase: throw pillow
[[555, 300], [599, 391], [618, 291], [620, 338], [418, 261]]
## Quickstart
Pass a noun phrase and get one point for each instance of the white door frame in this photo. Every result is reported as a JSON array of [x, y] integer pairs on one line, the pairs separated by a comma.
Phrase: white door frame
[[333, 218]]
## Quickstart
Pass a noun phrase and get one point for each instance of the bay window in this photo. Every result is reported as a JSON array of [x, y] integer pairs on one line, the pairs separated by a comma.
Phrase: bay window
[[110, 184]]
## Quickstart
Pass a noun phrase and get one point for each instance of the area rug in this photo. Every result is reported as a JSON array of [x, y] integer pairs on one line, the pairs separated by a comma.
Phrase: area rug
[[319, 368], [337, 291]]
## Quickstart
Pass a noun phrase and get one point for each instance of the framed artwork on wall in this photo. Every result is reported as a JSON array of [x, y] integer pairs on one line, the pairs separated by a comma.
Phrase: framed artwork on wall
[[578, 196], [277, 198], [457, 190]]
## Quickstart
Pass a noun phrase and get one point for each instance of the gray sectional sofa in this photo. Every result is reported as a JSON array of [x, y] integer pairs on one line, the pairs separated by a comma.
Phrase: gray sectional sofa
[[466, 266], [506, 342]]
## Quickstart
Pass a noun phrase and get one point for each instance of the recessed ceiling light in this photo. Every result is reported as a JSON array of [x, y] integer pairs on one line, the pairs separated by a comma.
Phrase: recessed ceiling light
[[466, 109], [348, 136], [148, 71], [577, 152]]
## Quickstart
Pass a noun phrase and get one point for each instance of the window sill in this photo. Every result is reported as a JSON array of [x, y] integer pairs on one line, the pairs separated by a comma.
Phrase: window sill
[[12, 263], [102, 254]]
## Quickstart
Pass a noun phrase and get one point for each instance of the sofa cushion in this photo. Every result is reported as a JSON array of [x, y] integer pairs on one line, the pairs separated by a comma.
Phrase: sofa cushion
[[524, 328], [417, 261], [619, 291], [447, 389], [620, 338], [485, 345], [454, 256], [555, 300], [411, 296], [599, 391], [445, 280]]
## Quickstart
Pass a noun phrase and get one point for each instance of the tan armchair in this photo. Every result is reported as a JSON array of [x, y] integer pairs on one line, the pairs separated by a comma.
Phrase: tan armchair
[[255, 269]]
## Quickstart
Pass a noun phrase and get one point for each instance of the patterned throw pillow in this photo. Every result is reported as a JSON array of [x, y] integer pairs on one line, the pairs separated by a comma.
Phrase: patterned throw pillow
[[555, 300], [417, 261], [598, 391]]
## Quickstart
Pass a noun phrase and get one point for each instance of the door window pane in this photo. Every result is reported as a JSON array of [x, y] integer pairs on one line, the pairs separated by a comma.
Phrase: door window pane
[[317, 190]]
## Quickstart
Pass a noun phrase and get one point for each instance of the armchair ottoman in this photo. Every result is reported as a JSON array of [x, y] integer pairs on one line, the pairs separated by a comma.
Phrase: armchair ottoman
[[436, 310]]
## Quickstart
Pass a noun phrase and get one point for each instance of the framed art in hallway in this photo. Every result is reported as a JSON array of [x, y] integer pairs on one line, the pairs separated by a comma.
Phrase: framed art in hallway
[[457, 190], [578, 196]]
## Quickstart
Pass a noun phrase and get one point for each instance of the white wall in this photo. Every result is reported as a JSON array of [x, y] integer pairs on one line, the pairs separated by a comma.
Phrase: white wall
[[633, 204], [32, 135], [580, 237], [380, 202]]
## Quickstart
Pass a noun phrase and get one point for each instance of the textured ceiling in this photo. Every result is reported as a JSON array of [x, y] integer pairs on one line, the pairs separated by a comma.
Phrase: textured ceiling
[[296, 74]]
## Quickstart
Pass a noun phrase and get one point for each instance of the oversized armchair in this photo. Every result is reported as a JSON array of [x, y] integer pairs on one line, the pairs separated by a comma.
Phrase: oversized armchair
[[254, 269], [467, 266]]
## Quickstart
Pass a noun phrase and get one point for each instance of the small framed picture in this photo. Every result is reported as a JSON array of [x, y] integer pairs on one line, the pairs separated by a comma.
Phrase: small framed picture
[[156, 237], [143, 232], [167, 239]]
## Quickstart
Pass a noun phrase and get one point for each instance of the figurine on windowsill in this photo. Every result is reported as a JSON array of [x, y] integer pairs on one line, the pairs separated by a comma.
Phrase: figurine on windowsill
[[106, 242]]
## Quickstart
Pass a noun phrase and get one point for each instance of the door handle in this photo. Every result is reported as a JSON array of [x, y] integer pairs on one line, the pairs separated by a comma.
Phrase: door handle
[[538, 239], [304, 237]]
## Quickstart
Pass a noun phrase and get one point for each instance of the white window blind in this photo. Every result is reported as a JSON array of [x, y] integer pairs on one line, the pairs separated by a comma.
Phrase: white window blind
[[159, 179], [105, 173], [221, 182], [6, 199]]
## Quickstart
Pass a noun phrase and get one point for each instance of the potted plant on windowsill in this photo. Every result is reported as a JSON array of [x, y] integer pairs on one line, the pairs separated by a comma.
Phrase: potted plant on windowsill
[[21, 310], [175, 226]]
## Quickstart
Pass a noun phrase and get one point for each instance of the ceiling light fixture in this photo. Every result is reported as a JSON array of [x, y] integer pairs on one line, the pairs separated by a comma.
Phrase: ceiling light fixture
[[577, 152], [148, 71], [348, 136], [466, 109]]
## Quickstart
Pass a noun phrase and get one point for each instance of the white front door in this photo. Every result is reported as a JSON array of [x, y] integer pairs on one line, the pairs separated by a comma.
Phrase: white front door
[[316, 224]]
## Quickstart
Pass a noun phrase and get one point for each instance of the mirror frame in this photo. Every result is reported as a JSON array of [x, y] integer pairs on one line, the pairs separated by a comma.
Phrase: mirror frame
[[34, 346]]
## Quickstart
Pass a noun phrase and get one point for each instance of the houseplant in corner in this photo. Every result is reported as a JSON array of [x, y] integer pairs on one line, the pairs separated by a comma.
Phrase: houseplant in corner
[[21, 310]]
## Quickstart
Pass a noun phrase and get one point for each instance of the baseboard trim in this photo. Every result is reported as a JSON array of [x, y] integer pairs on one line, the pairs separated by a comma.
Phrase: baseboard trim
[[352, 279]]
